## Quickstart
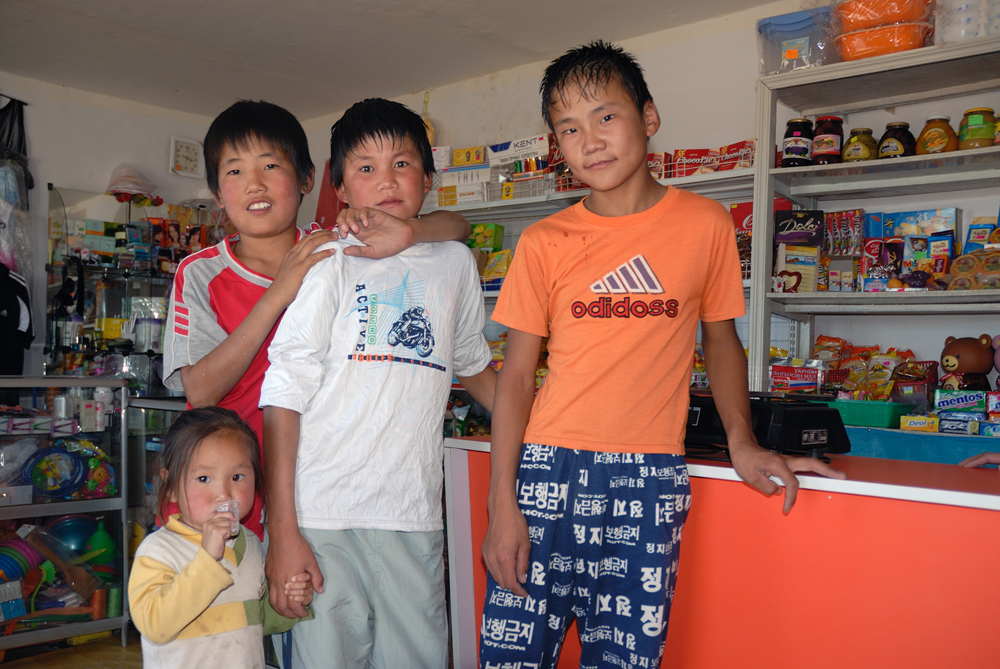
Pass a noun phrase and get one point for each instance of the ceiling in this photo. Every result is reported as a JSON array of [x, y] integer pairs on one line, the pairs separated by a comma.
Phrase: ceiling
[[314, 57]]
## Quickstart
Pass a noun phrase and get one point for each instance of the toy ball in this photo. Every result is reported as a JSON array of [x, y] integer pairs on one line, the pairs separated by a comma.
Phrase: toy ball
[[101, 539]]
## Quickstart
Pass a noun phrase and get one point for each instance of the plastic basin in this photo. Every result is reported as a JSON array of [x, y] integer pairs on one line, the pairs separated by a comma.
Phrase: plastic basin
[[881, 41]]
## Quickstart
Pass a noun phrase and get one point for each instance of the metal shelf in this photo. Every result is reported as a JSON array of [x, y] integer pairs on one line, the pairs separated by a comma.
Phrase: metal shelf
[[931, 73], [56, 632], [943, 173], [951, 302], [727, 185], [62, 508], [59, 382]]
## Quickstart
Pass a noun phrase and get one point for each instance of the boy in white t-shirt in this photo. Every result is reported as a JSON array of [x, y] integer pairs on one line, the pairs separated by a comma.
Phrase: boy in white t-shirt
[[354, 402]]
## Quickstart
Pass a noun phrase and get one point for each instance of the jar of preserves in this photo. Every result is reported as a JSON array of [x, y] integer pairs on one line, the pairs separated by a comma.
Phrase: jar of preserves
[[937, 136], [861, 145], [977, 129], [897, 141], [827, 140], [797, 147]]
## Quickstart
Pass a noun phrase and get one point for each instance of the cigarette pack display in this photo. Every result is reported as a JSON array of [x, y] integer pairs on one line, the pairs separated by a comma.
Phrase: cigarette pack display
[[535, 147], [474, 155]]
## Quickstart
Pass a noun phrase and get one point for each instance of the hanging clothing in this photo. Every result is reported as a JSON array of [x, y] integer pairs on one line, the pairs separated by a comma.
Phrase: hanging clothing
[[13, 138], [16, 328]]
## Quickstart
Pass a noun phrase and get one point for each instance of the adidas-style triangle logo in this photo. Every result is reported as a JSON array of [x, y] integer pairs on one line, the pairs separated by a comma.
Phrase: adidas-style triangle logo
[[634, 276]]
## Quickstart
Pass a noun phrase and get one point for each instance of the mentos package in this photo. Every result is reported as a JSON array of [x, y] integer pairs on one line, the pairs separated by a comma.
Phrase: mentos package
[[960, 400], [924, 222], [919, 423]]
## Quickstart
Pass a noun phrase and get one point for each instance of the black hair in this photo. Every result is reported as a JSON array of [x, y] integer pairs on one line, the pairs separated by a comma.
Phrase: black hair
[[247, 122], [182, 439], [590, 66], [379, 120]]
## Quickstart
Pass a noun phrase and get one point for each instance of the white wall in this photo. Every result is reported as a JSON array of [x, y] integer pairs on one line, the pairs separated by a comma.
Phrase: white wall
[[702, 79], [75, 139]]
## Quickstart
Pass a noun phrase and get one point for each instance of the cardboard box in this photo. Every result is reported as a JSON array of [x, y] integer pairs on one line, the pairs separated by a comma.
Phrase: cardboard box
[[688, 162], [442, 157], [918, 423], [742, 213], [993, 401], [465, 176], [474, 155], [989, 430], [958, 426], [960, 400], [737, 156], [486, 236], [451, 195], [923, 222], [536, 146], [660, 164], [801, 228]]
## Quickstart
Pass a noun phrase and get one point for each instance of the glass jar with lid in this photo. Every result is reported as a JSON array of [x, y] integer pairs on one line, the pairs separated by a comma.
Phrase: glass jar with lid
[[797, 147], [897, 141], [827, 140], [861, 145], [976, 130], [937, 136]]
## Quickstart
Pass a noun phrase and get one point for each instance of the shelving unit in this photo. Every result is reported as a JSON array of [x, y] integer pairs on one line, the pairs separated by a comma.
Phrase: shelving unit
[[116, 449], [931, 73]]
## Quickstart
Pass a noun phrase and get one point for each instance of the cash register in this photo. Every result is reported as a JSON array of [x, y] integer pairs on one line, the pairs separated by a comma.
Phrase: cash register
[[781, 422]]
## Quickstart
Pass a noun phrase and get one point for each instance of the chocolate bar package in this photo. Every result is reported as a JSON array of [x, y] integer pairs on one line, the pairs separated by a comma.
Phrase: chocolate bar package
[[799, 228]]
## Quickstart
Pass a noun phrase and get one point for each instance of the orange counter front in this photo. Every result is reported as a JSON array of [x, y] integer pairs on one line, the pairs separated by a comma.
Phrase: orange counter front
[[899, 566]]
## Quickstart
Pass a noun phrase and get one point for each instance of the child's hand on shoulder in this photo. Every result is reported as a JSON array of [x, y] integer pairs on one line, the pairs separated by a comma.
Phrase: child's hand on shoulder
[[384, 234], [300, 589], [215, 532], [297, 262]]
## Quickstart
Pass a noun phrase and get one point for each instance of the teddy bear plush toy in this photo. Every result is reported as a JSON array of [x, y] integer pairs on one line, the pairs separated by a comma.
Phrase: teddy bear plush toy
[[966, 362]]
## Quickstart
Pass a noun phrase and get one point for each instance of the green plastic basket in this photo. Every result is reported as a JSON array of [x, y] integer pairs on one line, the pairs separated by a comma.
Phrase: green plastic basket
[[866, 413]]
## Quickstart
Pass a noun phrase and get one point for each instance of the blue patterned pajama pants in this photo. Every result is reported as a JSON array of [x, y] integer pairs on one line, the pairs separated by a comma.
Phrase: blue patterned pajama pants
[[605, 531]]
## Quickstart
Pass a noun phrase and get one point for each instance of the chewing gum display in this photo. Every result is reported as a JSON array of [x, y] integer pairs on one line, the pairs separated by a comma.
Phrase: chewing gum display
[[960, 400], [958, 426], [919, 423]]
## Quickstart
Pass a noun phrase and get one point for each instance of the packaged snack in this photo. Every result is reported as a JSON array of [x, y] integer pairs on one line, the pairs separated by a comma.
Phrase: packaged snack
[[919, 423], [800, 228], [828, 350], [989, 430], [960, 400], [923, 222], [688, 162], [660, 164], [979, 233], [874, 225], [737, 156], [962, 415], [486, 236], [794, 375], [993, 401], [497, 265], [958, 426]]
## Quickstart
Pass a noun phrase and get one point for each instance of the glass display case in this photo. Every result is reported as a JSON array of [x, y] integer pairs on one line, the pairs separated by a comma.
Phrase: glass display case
[[63, 508]]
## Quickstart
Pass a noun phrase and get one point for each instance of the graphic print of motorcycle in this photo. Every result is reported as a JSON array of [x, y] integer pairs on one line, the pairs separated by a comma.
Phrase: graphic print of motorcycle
[[413, 330]]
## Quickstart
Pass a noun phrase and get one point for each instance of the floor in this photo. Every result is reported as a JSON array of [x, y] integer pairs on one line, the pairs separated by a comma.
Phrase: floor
[[102, 654]]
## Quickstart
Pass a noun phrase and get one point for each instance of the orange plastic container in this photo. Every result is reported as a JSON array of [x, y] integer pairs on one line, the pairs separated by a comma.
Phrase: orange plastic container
[[881, 41], [863, 14]]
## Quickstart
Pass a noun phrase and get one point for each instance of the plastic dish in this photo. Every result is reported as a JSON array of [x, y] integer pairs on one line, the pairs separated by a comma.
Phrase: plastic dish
[[881, 41], [863, 14], [74, 530]]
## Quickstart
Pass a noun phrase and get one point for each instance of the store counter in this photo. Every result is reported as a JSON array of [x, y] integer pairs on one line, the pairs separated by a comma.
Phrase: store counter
[[899, 565]]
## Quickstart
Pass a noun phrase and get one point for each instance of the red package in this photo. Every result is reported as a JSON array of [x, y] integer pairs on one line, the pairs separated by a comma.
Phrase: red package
[[742, 213], [660, 164], [737, 156], [695, 161]]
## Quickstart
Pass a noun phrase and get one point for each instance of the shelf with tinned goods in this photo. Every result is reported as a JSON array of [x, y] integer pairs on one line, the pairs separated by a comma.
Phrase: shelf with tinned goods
[[931, 73], [889, 303], [912, 175], [725, 185]]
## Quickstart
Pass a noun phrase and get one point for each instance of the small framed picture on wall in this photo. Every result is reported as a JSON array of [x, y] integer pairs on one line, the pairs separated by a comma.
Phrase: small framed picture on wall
[[187, 158]]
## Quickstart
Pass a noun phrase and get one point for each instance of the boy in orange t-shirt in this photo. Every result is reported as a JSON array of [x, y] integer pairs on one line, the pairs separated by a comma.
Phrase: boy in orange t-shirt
[[589, 489]]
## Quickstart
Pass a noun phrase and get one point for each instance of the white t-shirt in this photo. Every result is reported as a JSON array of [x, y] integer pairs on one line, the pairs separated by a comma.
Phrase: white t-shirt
[[366, 354]]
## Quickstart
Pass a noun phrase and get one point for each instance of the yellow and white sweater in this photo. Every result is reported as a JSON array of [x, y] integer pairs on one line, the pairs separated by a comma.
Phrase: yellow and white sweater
[[194, 611]]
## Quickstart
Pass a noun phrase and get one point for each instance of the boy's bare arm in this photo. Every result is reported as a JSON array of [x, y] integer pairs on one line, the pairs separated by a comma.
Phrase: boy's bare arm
[[288, 553], [481, 386], [506, 547], [385, 235], [210, 379], [755, 465]]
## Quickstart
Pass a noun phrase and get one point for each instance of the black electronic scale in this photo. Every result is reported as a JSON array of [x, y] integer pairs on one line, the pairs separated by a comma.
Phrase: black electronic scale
[[781, 422]]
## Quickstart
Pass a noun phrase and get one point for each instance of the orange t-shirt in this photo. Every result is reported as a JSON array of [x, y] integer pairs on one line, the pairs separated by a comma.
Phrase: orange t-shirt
[[620, 299]]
